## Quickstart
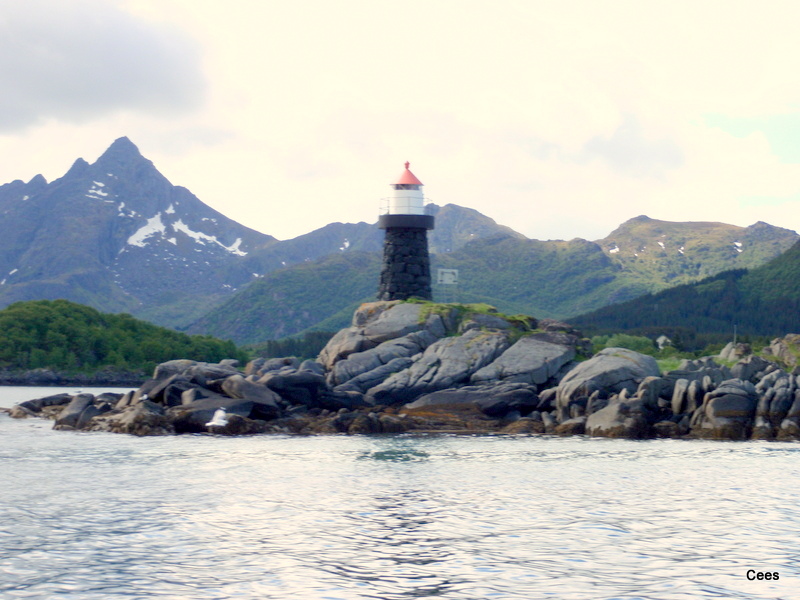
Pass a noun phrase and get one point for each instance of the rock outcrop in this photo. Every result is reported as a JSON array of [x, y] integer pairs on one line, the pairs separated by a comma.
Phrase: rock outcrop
[[536, 359], [786, 350], [447, 363], [610, 371], [727, 412], [619, 419], [396, 352], [497, 400], [407, 366]]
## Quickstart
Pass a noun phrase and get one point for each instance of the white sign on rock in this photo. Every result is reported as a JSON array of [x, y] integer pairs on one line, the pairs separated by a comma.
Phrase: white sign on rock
[[447, 277]]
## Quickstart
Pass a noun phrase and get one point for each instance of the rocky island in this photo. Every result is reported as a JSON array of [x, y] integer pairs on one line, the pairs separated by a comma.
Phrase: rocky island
[[405, 366]]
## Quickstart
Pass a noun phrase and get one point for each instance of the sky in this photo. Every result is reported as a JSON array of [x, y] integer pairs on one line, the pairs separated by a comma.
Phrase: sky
[[560, 119]]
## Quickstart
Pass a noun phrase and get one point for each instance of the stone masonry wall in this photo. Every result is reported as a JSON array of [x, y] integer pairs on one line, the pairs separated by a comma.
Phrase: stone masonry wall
[[406, 270]]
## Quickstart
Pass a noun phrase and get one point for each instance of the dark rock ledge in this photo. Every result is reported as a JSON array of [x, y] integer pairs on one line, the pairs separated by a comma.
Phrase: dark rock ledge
[[47, 377], [446, 368]]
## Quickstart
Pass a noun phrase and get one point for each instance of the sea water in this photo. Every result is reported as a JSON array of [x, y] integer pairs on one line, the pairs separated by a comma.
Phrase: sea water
[[104, 516]]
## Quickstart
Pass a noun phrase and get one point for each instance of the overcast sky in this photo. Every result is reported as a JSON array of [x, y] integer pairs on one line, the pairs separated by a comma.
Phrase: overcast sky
[[560, 119]]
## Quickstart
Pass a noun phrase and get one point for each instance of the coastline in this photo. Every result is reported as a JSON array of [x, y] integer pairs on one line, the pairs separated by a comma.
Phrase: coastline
[[50, 378], [404, 367]]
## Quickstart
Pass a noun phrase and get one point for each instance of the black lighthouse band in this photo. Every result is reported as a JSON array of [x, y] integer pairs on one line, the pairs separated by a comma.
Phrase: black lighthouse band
[[406, 270]]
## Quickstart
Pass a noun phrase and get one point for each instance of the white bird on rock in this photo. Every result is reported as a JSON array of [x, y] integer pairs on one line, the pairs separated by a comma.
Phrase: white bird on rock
[[218, 420]]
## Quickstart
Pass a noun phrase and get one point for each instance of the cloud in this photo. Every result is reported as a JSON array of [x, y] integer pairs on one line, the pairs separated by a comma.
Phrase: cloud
[[178, 140], [81, 60], [781, 130], [559, 119], [628, 152]]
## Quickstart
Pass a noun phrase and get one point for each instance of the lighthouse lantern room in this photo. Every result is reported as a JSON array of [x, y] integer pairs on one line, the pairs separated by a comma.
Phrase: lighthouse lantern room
[[406, 264], [407, 195]]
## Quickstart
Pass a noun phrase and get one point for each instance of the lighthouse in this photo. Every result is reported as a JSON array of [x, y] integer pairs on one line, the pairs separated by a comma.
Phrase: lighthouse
[[406, 270]]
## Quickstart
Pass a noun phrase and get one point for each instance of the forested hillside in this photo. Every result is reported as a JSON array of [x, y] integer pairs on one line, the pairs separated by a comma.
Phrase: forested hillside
[[552, 279], [545, 279], [62, 335], [287, 301], [762, 302], [651, 251]]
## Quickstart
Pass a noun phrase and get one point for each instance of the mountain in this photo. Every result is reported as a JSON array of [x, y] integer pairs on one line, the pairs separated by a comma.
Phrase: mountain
[[561, 279], [455, 227], [764, 301], [556, 279], [118, 236], [287, 301], [517, 275], [650, 251]]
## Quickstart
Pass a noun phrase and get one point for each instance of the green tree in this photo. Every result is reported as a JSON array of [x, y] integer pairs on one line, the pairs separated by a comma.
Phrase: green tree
[[67, 336]]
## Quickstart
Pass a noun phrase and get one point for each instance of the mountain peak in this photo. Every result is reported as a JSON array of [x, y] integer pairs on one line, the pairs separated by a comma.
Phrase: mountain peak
[[122, 148], [78, 167], [38, 181], [762, 225], [124, 157], [124, 142]]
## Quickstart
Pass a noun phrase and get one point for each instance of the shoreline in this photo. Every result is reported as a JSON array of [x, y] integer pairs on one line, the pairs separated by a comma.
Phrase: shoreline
[[404, 367], [50, 378]]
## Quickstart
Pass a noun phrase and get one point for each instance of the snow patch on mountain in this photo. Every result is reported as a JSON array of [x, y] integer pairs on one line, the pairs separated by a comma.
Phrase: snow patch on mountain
[[95, 191], [153, 227], [203, 238], [10, 273], [235, 248]]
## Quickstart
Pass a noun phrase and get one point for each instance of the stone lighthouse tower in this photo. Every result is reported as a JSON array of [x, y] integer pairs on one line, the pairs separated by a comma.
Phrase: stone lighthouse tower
[[406, 270]]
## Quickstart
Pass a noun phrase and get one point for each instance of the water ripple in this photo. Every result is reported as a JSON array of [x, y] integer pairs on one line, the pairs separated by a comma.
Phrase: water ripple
[[393, 517]]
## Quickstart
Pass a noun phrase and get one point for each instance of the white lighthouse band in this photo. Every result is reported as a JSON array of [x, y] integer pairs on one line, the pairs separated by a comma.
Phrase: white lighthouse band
[[405, 207]]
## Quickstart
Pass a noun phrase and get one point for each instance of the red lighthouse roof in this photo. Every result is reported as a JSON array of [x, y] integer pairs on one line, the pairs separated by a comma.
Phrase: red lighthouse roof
[[408, 177]]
